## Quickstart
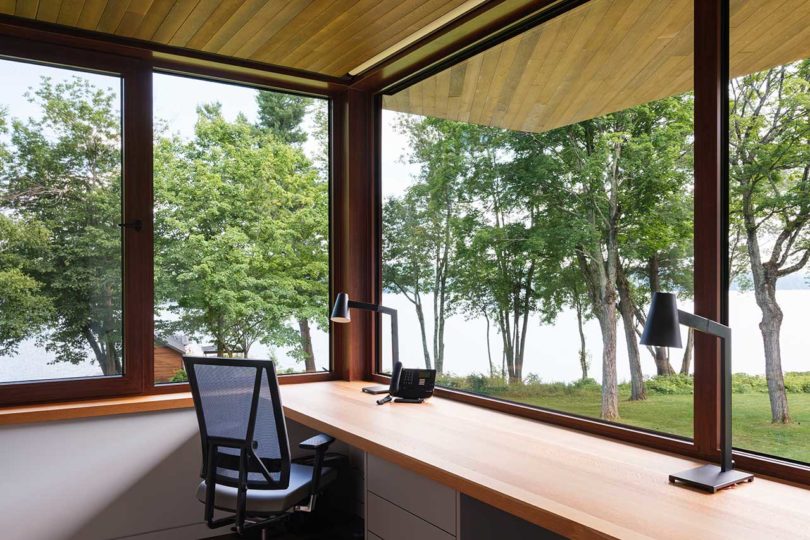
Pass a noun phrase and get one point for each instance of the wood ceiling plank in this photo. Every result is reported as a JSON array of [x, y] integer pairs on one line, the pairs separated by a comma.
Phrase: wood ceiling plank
[[499, 82], [91, 14], [264, 26], [154, 17], [26, 9], [133, 18], [225, 10], [69, 12], [48, 11], [609, 26], [232, 25], [338, 32], [112, 15], [308, 27], [8, 6], [488, 69], [174, 19], [195, 20]]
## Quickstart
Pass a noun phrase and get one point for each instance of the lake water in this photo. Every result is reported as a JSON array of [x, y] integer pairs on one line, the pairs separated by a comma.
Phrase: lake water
[[551, 350]]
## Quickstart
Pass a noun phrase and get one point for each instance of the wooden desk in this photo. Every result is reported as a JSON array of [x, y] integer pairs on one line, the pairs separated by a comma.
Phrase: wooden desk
[[575, 484]]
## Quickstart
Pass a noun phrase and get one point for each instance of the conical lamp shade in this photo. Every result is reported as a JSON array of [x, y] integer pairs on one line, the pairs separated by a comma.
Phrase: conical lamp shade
[[662, 328], [340, 311]]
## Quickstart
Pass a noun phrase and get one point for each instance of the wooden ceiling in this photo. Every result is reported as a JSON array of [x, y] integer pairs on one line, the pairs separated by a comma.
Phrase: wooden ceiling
[[602, 57], [329, 37]]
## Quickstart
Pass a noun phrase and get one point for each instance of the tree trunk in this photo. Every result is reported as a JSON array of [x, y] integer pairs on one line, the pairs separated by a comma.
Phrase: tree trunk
[[306, 344], [764, 277], [610, 393], [770, 326], [662, 365], [421, 316], [489, 350], [583, 351], [637, 388], [98, 352], [686, 363]]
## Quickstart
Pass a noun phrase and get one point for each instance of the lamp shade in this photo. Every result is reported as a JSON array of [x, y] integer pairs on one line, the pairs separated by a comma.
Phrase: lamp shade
[[340, 311], [662, 328]]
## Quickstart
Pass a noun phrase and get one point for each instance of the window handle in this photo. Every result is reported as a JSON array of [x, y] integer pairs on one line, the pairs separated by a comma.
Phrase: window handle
[[136, 224]]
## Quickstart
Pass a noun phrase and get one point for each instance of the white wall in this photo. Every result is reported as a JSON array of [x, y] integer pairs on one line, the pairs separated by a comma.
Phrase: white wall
[[120, 476]]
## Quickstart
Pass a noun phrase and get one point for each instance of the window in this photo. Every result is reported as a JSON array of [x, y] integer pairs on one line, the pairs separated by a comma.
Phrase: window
[[60, 206], [769, 240], [111, 259], [241, 226], [534, 196]]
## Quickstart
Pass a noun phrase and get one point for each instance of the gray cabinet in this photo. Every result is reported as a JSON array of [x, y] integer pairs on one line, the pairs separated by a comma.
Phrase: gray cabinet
[[403, 505]]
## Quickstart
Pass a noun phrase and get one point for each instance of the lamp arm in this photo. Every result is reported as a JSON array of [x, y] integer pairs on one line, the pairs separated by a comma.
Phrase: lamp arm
[[394, 324], [708, 326]]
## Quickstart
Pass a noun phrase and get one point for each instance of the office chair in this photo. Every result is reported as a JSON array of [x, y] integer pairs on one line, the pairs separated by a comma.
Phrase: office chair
[[246, 466]]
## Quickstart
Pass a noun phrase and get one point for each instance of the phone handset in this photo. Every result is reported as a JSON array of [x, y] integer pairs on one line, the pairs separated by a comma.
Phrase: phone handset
[[396, 372]]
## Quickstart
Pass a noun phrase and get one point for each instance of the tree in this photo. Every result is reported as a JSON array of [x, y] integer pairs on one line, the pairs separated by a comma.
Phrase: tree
[[406, 269], [770, 196], [511, 238], [622, 166], [419, 246], [239, 262], [282, 114], [61, 196]]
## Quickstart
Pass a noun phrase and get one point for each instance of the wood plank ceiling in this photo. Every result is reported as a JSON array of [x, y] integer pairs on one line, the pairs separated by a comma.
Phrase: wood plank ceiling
[[602, 57], [329, 37]]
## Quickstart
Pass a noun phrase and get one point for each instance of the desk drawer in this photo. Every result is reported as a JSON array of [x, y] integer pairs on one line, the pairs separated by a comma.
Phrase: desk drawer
[[418, 495], [390, 522]]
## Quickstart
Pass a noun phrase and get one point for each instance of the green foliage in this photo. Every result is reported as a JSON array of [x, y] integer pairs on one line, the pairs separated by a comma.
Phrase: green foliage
[[241, 234], [671, 385], [60, 254], [179, 376], [281, 115]]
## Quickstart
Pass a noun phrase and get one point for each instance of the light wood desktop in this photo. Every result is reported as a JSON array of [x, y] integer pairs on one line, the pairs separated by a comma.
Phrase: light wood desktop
[[572, 483]]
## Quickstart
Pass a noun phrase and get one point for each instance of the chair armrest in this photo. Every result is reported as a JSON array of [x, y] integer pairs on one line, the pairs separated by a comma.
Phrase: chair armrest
[[317, 443], [320, 444]]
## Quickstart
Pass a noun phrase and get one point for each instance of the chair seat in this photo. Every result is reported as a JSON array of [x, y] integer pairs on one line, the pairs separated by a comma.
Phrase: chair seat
[[262, 502]]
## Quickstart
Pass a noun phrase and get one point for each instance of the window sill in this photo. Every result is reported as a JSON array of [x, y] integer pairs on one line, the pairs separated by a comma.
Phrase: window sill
[[70, 410]]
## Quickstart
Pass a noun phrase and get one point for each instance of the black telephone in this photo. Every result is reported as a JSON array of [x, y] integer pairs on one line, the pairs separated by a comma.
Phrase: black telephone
[[410, 385]]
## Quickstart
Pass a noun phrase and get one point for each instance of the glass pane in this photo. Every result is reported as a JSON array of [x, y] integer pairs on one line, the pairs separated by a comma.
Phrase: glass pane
[[60, 205], [534, 196], [241, 226], [769, 134]]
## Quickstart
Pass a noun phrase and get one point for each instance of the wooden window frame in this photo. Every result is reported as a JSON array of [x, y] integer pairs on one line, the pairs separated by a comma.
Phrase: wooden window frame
[[711, 77], [44, 44]]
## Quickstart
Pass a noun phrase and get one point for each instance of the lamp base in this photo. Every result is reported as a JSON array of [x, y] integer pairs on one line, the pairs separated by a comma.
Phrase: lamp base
[[710, 478]]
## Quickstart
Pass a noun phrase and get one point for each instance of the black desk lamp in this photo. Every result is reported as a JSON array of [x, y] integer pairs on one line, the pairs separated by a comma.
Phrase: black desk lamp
[[662, 330], [340, 314]]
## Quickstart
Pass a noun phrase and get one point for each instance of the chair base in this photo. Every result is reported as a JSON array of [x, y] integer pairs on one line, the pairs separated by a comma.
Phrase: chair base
[[710, 478]]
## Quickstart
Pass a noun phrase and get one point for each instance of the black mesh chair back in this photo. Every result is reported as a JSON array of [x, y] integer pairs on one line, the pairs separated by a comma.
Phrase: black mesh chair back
[[241, 420]]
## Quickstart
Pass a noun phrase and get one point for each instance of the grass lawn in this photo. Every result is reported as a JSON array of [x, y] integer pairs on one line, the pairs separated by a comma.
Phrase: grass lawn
[[752, 427]]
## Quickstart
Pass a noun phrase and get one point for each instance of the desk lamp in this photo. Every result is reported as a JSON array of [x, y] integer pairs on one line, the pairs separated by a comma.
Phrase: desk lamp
[[340, 314], [662, 330]]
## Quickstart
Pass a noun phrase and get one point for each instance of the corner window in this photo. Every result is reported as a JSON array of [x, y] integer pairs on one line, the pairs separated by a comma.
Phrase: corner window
[[769, 233], [535, 195]]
